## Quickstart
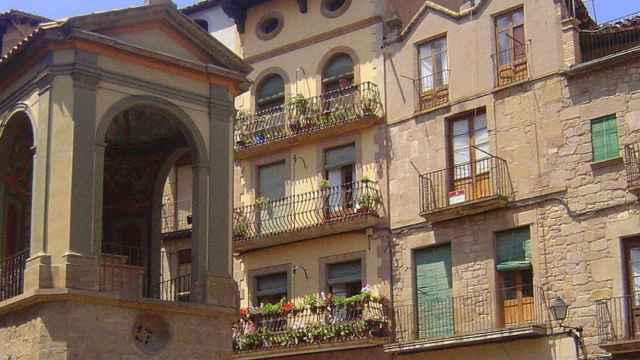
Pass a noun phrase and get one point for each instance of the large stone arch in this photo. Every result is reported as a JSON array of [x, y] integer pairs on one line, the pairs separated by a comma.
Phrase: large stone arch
[[201, 160]]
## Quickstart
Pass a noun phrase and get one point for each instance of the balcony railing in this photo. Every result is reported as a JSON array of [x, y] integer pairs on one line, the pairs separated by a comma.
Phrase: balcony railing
[[511, 65], [632, 164], [448, 317], [12, 275], [306, 115], [298, 328], [617, 320], [433, 90], [470, 182], [176, 216], [611, 37], [307, 210], [125, 270]]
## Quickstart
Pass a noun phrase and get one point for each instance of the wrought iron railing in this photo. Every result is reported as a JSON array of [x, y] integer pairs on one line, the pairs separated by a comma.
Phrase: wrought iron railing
[[12, 275], [307, 210], [322, 325], [632, 163], [176, 216], [511, 65], [433, 90], [125, 270], [477, 180], [611, 37], [305, 115], [617, 319], [471, 314]]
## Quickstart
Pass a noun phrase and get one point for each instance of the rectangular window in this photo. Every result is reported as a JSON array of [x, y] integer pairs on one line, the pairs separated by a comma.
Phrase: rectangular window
[[434, 64], [604, 138], [469, 142], [345, 278], [271, 288], [339, 164], [271, 179], [511, 56], [513, 262]]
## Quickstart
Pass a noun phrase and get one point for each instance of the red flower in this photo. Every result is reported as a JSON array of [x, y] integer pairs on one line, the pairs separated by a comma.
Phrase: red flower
[[244, 312], [287, 307]]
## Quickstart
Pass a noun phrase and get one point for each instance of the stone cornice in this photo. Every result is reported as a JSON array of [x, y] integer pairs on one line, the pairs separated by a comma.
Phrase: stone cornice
[[314, 39]]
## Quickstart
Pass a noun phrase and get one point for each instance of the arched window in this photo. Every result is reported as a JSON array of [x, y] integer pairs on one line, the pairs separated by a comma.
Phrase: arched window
[[204, 24], [270, 93], [338, 73]]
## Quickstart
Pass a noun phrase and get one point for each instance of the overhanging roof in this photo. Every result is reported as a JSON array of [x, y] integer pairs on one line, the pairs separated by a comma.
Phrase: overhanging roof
[[237, 9]]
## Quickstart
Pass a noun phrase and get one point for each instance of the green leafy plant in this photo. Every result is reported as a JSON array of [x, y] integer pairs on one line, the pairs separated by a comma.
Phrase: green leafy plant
[[369, 202], [324, 184], [262, 202]]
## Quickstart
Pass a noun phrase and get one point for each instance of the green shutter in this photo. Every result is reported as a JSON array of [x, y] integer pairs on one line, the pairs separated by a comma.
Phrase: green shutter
[[513, 250], [604, 138], [434, 292]]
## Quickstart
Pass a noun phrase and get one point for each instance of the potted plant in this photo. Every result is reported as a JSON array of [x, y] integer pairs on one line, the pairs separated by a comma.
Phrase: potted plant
[[262, 203], [324, 184], [368, 104], [369, 203]]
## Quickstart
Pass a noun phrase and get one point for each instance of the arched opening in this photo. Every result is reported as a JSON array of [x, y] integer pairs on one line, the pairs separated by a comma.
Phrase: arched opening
[[270, 93], [16, 173], [145, 146], [338, 73]]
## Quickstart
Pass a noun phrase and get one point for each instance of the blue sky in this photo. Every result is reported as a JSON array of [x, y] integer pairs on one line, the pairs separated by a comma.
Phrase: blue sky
[[56, 9]]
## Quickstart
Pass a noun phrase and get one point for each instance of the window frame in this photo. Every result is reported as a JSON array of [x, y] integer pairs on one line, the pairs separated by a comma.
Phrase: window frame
[[470, 117], [325, 262], [259, 26], [279, 98], [608, 153], [327, 84], [253, 275], [430, 42]]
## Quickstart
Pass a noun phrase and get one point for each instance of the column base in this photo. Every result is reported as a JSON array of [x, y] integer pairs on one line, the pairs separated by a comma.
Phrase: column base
[[37, 273], [77, 272], [218, 290]]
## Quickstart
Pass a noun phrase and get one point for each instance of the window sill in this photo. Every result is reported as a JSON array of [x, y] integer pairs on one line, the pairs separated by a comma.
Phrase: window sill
[[608, 162], [430, 110]]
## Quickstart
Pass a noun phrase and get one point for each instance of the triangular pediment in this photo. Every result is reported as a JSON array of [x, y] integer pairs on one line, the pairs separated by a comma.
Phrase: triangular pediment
[[162, 29]]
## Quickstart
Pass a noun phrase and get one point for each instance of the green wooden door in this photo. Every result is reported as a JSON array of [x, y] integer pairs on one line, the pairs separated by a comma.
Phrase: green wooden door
[[434, 308]]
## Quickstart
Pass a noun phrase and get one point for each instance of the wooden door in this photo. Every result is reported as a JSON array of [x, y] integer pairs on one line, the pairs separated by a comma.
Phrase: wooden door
[[518, 300], [471, 165], [632, 259], [434, 302]]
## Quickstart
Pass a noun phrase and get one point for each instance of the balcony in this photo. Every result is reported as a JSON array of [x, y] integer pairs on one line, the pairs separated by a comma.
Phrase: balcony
[[328, 211], [511, 65], [465, 189], [302, 328], [125, 271], [12, 275], [470, 319], [609, 38], [332, 113], [632, 166], [433, 90], [618, 326], [176, 219]]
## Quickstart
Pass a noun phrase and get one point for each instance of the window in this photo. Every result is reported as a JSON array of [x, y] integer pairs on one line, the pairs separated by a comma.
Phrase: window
[[271, 188], [269, 26], [271, 288], [604, 138], [339, 165], [184, 262], [334, 8], [338, 73], [513, 263], [433, 64], [469, 142], [511, 56], [270, 93], [204, 24], [345, 278]]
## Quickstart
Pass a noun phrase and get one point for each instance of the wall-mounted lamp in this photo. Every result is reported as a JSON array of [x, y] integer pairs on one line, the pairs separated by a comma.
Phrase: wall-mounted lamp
[[559, 310]]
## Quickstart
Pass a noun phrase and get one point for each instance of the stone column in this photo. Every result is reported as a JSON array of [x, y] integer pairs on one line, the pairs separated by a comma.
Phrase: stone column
[[38, 267], [571, 53], [215, 198]]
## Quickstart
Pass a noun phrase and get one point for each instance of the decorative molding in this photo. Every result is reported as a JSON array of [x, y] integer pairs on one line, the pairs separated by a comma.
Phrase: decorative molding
[[359, 25]]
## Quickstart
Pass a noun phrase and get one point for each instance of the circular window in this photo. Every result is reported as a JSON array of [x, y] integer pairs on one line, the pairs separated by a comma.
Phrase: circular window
[[269, 26], [334, 8], [151, 333]]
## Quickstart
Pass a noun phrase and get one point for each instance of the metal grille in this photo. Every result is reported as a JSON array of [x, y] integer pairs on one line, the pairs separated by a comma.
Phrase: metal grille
[[307, 210], [477, 180], [304, 115], [632, 163], [470, 314], [176, 216], [616, 321], [12, 275], [433, 90]]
